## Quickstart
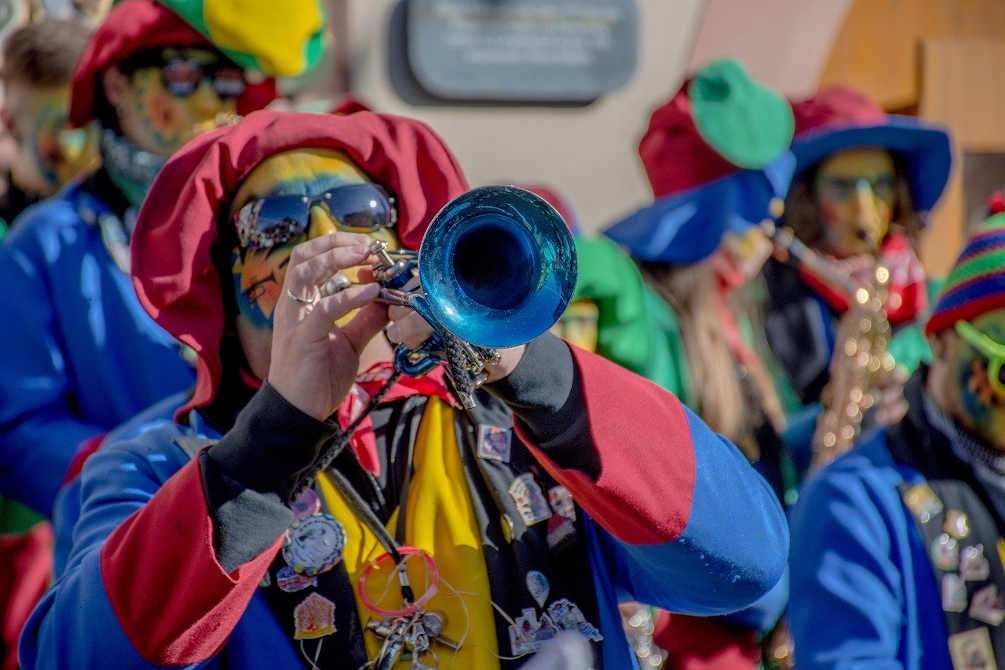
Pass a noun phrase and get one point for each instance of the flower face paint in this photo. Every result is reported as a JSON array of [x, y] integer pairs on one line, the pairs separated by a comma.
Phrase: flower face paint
[[160, 122], [258, 273], [979, 403], [856, 193], [50, 153]]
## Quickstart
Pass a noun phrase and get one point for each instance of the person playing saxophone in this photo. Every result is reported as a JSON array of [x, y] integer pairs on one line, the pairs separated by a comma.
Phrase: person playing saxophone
[[897, 547], [864, 183]]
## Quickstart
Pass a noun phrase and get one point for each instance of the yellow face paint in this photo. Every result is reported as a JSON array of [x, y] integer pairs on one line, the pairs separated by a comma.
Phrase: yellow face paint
[[856, 193], [578, 324], [746, 252], [164, 122], [50, 153], [259, 273]]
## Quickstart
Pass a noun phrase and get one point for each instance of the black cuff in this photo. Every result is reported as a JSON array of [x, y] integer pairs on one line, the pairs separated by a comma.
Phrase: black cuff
[[545, 393], [245, 522], [270, 443], [247, 475]]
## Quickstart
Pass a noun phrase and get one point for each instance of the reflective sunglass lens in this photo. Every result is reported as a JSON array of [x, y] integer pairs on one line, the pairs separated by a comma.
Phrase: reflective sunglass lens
[[359, 207], [272, 221], [181, 77], [229, 83]]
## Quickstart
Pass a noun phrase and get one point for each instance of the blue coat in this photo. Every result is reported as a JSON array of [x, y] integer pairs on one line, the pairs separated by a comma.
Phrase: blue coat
[[140, 531], [863, 591], [79, 355]]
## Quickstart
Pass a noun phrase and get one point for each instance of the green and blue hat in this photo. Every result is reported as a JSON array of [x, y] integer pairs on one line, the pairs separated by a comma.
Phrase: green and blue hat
[[716, 157], [976, 284]]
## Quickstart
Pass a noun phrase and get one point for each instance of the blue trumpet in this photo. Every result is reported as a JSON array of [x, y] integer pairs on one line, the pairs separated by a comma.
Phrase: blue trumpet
[[496, 268]]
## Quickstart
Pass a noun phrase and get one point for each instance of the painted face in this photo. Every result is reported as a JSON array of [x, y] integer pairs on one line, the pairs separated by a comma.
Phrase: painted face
[[856, 192], [258, 273], [168, 104], [978, 401], [745, 253], [578, 324], [50, 153]]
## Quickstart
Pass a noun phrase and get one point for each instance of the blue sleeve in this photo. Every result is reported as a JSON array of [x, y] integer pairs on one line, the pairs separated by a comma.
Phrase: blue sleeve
[[847, 604], [74, 626], [764, 614], [39, 432], [732, 552]]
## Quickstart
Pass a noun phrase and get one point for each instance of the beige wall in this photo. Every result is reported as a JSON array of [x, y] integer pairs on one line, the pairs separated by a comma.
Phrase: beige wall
[[588, 153], [784, 43]]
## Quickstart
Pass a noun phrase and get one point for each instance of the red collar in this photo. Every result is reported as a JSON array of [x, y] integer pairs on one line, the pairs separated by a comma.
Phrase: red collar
[[907, 297]]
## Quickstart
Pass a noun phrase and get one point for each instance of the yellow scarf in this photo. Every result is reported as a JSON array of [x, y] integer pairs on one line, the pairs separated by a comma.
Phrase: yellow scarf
[[441, 521]]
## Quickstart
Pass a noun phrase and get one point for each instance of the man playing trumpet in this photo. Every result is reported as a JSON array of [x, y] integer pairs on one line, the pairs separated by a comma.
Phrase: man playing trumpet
[[235, 535]]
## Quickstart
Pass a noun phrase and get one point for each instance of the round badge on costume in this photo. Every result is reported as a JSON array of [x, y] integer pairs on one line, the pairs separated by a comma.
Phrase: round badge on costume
[[314, 544], [306, 504]]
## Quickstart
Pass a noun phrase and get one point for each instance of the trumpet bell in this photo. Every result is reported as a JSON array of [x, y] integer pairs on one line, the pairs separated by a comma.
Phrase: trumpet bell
[[498, 266]]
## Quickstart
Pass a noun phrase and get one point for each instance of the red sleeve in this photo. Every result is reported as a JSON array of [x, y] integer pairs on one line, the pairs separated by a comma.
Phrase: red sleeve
[[700, 643], [642, 436], [169, 592]]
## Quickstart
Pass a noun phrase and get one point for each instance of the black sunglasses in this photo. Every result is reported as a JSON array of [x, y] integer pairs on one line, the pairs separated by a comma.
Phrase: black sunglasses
[[272, 221], [181, 77]]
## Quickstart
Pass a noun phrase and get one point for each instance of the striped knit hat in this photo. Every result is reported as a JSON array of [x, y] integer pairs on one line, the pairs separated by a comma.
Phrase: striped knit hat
[[977, 282]]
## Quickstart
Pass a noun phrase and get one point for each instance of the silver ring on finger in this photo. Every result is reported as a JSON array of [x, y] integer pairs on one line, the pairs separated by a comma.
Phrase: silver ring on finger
[[303, 301], [338, 283]]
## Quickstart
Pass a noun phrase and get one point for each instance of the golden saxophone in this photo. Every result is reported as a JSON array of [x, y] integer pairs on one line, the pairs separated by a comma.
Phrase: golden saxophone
[[861, 357]]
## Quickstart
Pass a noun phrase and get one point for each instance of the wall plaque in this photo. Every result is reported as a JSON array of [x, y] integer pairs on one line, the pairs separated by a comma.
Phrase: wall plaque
[[522, 50]]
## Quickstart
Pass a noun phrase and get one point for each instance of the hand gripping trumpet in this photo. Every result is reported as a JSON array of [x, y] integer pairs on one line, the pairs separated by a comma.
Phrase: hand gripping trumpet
[[496, 268]]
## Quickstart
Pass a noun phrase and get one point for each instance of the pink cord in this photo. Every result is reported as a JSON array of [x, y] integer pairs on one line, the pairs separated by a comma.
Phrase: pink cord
[[434, 573]]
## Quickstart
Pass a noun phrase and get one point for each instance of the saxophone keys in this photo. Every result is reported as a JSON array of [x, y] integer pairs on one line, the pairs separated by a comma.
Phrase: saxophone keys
[[882, 274], [868, 400], [850, 347]]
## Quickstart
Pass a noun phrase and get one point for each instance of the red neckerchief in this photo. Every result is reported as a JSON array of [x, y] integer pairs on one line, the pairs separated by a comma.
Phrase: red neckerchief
[[906, 296], [363, 440]]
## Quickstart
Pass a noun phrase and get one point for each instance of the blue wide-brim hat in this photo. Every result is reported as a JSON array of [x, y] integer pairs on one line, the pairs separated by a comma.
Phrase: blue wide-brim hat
[[838, 119], [686, 227], [716, 155]]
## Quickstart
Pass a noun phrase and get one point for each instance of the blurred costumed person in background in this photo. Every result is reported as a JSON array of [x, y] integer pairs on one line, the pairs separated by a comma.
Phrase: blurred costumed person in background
[[277, 508], [716, 156], [38, 64], [84, 357], [898, 550], [864, 182]]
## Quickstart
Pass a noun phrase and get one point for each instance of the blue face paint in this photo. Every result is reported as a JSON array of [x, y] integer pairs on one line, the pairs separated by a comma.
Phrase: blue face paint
[[258, 279]]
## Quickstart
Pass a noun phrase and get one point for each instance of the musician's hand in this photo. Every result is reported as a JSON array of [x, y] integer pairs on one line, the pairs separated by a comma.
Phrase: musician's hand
[[410, 329], [314, 362], [406, 327], [891, 405], [508, 360]]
